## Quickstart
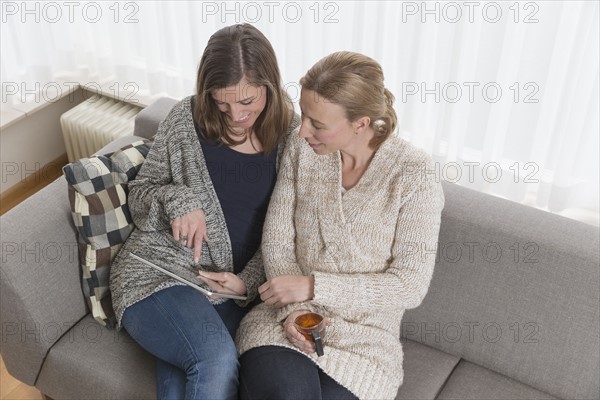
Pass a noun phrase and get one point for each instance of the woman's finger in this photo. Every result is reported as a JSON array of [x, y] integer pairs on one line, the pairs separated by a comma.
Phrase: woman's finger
[[225, 282], [298, 340], [176, 228], [199, 236], [264, 287], [215, 276], [186, 227], [197, 249], [210, 283], [264, 292]]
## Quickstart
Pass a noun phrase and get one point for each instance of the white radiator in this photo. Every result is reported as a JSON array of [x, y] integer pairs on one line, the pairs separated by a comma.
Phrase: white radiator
[[94, 123]]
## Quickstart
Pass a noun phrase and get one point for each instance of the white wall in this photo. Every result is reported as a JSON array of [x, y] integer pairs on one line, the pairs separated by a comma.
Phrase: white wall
[[33, 141]]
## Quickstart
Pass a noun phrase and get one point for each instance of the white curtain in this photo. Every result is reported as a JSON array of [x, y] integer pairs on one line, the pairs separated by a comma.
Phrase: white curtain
[[503, 94]]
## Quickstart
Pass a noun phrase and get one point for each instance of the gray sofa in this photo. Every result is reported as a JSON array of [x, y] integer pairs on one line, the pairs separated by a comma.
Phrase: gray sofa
[[512, 311]]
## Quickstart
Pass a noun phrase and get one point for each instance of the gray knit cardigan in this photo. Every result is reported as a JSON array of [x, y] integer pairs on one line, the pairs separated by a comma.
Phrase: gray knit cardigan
[[173, 181]]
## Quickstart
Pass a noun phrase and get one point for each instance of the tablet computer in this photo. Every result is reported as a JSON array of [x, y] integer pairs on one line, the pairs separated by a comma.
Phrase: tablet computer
[[190, 284]]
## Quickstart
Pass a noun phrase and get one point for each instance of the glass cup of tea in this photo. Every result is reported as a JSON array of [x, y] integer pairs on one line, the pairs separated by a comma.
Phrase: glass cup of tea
[[311, 324]]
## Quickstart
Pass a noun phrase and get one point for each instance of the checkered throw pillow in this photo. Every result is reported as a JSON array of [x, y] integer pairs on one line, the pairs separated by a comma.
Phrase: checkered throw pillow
[[98, 197]]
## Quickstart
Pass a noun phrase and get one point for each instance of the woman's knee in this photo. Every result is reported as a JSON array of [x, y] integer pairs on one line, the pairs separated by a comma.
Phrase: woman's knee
[[273, 372], [228, 355], [216, 373], [214, 359]]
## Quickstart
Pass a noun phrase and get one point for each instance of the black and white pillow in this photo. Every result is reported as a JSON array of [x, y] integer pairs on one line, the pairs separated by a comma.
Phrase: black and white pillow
[[98, 198]]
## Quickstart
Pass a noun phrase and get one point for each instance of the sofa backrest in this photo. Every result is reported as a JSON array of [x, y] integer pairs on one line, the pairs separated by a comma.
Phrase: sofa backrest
[[147, 120], [514, 289]]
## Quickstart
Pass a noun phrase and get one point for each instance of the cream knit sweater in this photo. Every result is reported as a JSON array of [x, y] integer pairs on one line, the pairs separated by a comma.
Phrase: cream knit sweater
[[370, 250]]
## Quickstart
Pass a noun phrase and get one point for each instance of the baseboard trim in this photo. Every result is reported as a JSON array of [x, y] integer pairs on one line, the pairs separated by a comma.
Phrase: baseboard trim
[[32, 183]]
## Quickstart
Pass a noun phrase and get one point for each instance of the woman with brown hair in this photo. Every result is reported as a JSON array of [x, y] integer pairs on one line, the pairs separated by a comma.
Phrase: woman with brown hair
[[207, 178], [350, 230]]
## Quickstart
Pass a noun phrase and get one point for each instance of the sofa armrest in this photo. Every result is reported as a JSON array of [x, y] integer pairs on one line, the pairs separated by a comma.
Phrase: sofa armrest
[[147, 120], [40, 278], [40, 290], [516, 290]]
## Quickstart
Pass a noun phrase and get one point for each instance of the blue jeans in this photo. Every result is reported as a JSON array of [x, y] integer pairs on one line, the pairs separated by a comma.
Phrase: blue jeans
[[274, 373], [192, 341]]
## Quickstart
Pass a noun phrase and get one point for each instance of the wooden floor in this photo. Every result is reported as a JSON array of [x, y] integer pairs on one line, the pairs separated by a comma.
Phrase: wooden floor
[[10, 388], [32, 183]]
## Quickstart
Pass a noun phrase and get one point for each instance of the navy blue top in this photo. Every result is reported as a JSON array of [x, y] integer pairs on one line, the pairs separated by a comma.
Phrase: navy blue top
[[243, 183]]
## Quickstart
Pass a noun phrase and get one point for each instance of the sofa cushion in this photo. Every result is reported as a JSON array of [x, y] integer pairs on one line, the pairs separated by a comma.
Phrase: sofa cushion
[[425, 371], [470, 381], [90, 362], [98, 198]]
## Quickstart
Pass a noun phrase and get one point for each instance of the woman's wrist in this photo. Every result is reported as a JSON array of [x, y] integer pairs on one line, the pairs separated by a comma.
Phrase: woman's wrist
[[242, 283], [310, 287]]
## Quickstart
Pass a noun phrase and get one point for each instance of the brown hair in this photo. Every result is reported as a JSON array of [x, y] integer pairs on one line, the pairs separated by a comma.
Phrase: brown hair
[[232, 53], [355, 82]]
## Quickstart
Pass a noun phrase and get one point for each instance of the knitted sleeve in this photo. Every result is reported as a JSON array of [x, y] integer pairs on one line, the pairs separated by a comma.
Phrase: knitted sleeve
[[279, 232], [159, 195], [406, 281], [253, 276]]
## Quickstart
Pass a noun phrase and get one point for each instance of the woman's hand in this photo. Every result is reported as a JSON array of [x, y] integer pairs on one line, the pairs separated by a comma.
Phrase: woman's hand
[[295, 337], [224, 282], [190, 231], [286, 289]]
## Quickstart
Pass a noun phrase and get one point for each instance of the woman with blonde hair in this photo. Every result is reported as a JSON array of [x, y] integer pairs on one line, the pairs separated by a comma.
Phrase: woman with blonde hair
[[207, 178], [350, 229]]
